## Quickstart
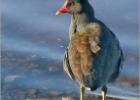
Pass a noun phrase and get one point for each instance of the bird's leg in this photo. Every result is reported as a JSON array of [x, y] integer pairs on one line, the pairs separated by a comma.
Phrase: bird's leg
[[104, 92], [82, 90]]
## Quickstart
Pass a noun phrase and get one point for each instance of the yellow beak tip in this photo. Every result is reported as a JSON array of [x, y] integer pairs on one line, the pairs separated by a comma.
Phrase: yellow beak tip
[[57, 13]]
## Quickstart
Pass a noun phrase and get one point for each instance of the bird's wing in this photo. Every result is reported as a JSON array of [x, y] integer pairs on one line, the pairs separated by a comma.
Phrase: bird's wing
[[67, 66], [108, 44], [118, 68]]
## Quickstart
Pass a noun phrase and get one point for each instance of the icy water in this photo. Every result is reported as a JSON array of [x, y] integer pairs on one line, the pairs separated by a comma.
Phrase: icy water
[[34, 41]]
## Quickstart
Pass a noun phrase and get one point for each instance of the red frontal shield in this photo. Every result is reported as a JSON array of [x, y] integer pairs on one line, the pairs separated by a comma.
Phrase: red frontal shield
[[63, 9]]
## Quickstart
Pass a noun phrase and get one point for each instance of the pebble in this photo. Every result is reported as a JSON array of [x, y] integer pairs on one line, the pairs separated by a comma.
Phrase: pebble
[[67, 98]]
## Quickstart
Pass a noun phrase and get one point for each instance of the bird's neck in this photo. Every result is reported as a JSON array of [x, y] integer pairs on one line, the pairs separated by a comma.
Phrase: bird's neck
[[80, 20]]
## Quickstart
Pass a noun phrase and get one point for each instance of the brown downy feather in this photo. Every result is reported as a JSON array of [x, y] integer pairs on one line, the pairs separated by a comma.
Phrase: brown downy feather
[[85, 43]]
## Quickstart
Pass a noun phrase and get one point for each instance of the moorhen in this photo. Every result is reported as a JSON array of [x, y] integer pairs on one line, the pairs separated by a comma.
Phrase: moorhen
[[94, 56]]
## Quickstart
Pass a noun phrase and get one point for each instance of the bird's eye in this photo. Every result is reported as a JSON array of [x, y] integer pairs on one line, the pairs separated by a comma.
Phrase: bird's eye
[[69, 4]]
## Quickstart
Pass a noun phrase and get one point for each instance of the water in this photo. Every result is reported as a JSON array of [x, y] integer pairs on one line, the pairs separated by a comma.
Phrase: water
[[34, 41]]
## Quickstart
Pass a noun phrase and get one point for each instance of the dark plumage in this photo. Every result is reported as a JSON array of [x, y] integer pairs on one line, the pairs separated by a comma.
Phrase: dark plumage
[[94, 56]]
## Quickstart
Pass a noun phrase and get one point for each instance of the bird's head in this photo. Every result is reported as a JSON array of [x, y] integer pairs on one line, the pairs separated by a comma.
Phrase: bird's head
[[70, 6]]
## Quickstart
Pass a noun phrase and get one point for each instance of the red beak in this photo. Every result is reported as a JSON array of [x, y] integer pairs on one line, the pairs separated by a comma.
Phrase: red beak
[[63, 9]]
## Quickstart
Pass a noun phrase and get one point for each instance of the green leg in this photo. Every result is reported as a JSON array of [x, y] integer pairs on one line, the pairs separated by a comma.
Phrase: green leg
[[104, 92], [82, 90]]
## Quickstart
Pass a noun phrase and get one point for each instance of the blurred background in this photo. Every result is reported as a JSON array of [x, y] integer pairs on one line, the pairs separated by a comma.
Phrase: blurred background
[[34, 41]]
